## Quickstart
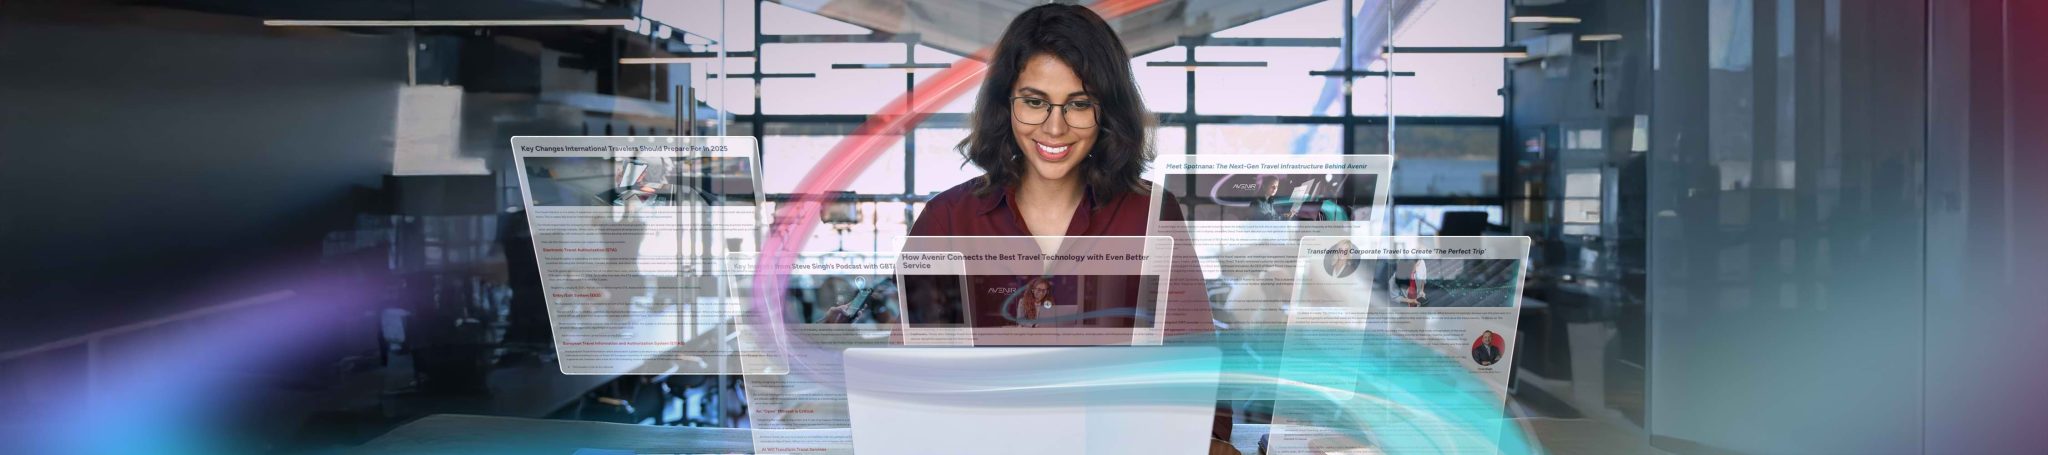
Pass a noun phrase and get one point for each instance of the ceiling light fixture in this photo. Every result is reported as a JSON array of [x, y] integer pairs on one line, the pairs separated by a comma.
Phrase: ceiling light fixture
[[1503, 51], [662, 60], [1191, 66], [452, 23], [1544, 20]]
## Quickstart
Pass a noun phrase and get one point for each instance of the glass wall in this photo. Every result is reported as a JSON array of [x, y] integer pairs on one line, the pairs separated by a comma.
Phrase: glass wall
[[1277, 97], [1788, 239]]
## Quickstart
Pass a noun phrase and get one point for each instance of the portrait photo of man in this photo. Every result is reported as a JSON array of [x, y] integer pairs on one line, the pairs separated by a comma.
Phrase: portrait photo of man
[[1487, 349]]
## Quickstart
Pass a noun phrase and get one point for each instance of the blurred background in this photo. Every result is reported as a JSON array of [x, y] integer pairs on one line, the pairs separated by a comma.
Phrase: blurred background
[[1761, 226]]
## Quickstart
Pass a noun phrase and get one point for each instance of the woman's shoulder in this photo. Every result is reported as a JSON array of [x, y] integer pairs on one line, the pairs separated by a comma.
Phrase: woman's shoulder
[[1144, 191], [959, 195], [1143, 196], [941, 212]]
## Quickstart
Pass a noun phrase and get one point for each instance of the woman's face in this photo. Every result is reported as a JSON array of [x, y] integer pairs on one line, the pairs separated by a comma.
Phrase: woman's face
[[1052, 149]]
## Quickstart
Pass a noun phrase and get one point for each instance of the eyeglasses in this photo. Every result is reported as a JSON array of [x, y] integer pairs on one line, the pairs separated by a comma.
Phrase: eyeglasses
[[1034, 111]]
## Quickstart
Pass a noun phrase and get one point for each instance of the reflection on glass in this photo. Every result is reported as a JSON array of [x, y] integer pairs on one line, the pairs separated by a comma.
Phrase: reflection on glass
[[1164, 88], [939, 163], [830, 91], [1269, 139], [1431, 219], [961, 105], [1282, 87], [1439, 160], [1451, 85], [1319, 20], [884, 175]]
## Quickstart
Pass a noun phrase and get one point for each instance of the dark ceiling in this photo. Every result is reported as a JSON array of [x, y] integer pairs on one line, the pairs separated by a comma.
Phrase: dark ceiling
[[964, 26]]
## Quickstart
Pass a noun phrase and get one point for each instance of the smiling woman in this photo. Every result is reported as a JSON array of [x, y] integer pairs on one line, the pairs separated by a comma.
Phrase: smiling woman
[[1060, 135]]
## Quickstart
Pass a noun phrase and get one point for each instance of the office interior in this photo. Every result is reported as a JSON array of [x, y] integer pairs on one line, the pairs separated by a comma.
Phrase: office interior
[[1759, 226]]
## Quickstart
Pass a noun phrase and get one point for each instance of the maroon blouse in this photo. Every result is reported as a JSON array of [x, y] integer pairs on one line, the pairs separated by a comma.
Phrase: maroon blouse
[[958, 212]]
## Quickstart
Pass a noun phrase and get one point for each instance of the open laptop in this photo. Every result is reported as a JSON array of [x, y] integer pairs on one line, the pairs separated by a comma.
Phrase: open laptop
[[1032, 400]]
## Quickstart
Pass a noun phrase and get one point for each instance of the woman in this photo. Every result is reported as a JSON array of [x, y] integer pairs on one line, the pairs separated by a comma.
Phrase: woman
[[1338, 261], [1058, 130], [1266, 206], [1060, 134]]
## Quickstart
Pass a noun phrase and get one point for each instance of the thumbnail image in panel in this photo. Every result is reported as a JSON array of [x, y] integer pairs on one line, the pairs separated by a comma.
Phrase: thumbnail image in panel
[[1450, 283], [1274, 196], [1487, 349], [934, 300], [583, 181], [841, 298], [1340, 261], [1110, 301]]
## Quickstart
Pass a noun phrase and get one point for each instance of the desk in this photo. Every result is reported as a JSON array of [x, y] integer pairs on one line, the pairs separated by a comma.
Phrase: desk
[[463, 434], [532, 390], [450, 434]]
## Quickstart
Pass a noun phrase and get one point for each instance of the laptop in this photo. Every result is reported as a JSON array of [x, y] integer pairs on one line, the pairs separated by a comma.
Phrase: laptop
[[1032, 400]]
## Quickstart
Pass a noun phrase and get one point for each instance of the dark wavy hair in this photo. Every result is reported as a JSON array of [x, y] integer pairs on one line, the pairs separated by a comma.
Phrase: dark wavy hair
[[1082, 40]]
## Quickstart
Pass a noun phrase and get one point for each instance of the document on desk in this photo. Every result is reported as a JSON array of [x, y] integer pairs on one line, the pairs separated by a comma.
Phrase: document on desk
[[828, 303], [1243, 217], [629, 233], [1432, 361]]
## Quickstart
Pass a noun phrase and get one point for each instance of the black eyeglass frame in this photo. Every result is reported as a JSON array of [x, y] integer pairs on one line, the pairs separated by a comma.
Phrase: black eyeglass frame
[[1063, 111]]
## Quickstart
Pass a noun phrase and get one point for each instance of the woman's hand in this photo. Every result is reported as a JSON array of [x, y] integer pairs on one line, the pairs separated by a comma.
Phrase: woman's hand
[[841, 314], [1222, 447]]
